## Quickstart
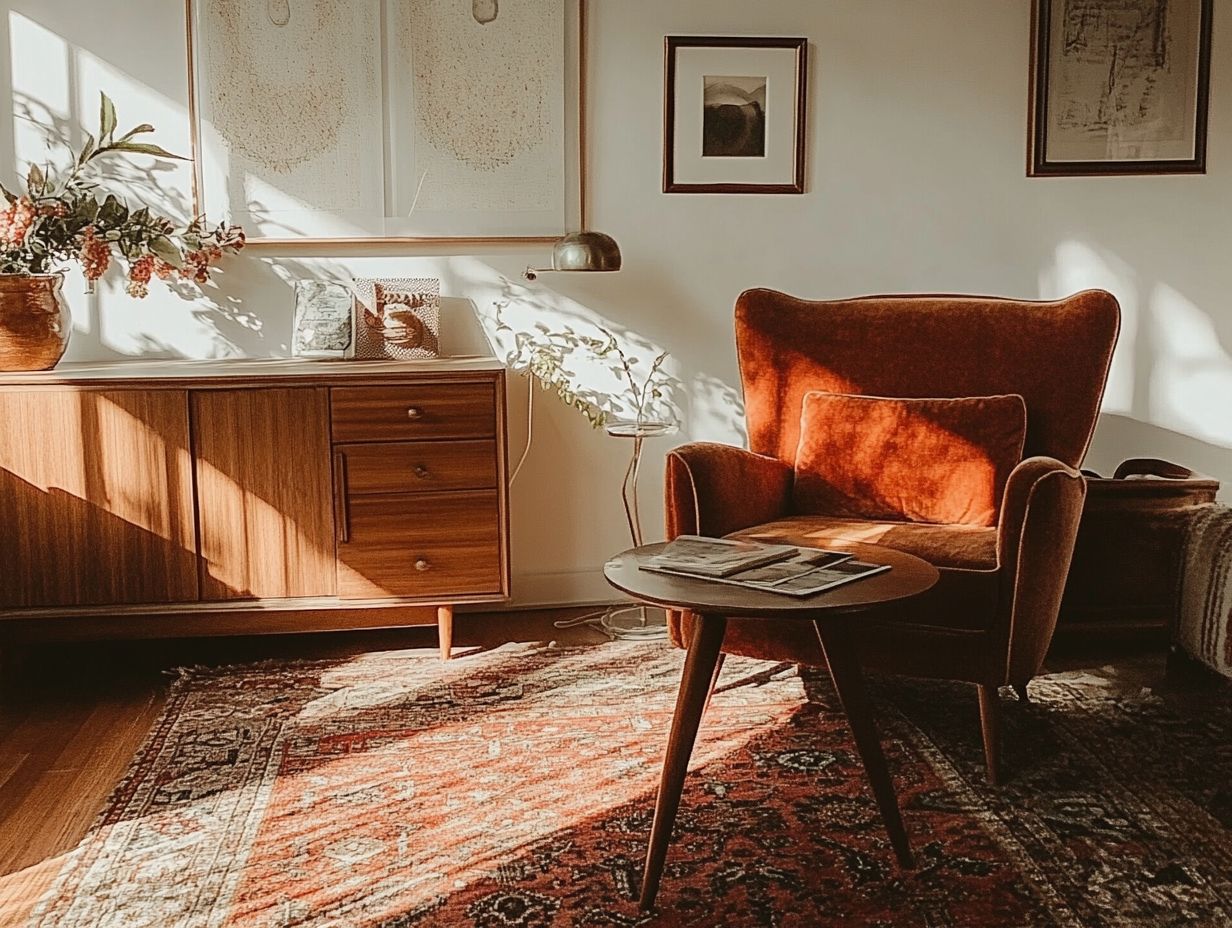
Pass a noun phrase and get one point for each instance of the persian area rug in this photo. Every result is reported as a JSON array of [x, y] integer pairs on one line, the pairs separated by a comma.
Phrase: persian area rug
[[515, 788]]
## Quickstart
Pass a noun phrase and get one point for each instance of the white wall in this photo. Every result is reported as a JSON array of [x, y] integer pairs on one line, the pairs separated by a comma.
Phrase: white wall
[[916, 182]]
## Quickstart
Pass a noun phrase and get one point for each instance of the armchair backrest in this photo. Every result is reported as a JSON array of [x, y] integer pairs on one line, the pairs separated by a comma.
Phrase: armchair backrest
[[1056, 355]]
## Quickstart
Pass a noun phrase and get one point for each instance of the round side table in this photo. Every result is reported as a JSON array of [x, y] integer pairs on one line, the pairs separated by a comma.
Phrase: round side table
[[832, 613]]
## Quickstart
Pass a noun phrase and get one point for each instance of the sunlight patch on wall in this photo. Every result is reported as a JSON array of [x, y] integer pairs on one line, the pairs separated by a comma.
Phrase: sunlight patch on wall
[[1078, 266], [56, 87], [1191, 381], [43, 72]]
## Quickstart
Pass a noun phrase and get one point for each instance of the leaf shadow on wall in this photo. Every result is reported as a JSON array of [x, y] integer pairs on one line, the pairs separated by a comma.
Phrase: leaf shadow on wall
[[214, 321]]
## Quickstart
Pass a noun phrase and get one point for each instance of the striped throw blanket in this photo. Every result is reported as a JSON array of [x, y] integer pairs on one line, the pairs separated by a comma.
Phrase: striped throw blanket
[[1205, 626]]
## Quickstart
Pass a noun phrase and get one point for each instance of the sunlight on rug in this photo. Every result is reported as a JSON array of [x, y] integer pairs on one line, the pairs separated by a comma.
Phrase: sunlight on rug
[[514, 789]]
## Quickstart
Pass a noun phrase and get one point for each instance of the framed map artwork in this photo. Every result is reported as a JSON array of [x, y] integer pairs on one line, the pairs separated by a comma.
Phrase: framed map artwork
[[362, 120], [1119, 87]]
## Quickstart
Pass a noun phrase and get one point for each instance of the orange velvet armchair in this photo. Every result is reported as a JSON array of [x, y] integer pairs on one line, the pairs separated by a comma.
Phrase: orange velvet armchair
[[990, 619]]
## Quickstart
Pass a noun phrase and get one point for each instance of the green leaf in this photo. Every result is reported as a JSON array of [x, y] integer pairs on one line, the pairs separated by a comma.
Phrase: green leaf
[[164, 249], [112, 212], [140, 130], [8, 194], [35, 179], [106, 118], [145, 148], [87, 150]]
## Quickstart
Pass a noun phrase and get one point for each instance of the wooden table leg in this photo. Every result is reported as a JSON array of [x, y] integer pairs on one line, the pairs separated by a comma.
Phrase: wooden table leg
[[838, 645], [444, 629], [714, 681], [699, 664]]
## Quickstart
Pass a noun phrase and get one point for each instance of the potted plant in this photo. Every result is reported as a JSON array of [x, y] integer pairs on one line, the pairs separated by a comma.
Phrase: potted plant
[[66, 216]]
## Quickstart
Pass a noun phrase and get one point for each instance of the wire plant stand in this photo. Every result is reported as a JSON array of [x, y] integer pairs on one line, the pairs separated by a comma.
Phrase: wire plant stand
[[630, 622]]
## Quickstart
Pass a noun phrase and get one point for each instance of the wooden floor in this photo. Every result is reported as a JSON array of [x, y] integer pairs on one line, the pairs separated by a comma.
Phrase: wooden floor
[[79, 714]]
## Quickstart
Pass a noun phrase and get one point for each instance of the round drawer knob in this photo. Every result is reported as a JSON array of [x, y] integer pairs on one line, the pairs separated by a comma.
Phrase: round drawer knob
[[414, 413], [422, 565], [421, 472]]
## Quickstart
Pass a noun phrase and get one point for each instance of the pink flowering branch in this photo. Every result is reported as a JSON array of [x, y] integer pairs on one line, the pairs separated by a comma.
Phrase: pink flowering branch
[[66, 218]]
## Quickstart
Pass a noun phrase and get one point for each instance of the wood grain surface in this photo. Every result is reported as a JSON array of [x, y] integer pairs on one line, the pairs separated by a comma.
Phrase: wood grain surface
[[95, 498], [419, 466], [410, 413], [264, 493], [427, 544]]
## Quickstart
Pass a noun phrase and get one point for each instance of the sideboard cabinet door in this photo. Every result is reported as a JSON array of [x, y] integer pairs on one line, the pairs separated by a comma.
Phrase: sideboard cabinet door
[[264, 493], [95, 498]]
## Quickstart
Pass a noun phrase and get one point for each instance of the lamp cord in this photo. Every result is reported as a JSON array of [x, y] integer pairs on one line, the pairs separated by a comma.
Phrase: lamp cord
[[530, 431]]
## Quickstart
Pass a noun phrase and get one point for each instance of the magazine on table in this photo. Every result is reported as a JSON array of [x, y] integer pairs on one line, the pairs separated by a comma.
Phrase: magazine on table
[[783, 569], [716, 557]]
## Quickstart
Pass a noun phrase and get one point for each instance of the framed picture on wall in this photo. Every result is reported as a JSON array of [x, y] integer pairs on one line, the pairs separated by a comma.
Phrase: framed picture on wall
[[1119, 87], [734, 114], [360, 121]]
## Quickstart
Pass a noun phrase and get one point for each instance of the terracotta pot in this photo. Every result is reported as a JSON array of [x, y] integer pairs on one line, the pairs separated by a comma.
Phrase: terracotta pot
[[34, 322]]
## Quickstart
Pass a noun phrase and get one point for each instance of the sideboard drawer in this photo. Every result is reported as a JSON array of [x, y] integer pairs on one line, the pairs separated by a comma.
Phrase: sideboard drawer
[[431, 411], [421, 545], [418, 466]]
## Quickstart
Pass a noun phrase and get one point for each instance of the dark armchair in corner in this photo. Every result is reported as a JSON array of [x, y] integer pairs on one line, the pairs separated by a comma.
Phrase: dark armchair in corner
[[990, 619]]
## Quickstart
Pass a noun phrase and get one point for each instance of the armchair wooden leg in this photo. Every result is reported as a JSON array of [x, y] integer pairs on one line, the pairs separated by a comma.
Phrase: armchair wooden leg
[[444, 627], [990, 725]]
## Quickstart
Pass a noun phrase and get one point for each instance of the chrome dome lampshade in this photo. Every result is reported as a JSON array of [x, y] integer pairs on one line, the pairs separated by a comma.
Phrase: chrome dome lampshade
[[586, 251], [581, 251]]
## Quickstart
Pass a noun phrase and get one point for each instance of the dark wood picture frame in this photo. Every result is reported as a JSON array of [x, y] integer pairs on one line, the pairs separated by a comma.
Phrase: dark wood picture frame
[[1038, 164], [673, 43]]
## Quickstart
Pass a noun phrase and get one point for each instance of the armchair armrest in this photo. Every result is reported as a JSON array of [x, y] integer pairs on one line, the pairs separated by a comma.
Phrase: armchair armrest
[[717, 489], [1040, 512]]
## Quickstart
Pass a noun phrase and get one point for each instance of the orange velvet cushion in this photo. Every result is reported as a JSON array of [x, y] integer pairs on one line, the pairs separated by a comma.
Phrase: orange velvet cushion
[[911, 460]]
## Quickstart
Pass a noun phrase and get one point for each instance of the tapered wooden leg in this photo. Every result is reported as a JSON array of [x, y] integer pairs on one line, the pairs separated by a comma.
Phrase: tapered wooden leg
[[699, 672], [839, 648], [714, 680], [990, 725], [1021, 690], [444, 628]]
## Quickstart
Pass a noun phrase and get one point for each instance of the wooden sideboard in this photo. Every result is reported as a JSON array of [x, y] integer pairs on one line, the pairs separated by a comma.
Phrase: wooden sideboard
[[152, 499]]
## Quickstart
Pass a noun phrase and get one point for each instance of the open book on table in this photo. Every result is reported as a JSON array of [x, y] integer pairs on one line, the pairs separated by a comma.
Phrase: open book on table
[[784, 569]]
